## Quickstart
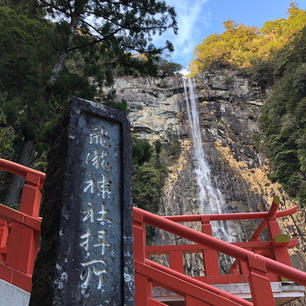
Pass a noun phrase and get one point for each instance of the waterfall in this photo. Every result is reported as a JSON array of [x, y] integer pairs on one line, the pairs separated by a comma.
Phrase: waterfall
[[210, 197]]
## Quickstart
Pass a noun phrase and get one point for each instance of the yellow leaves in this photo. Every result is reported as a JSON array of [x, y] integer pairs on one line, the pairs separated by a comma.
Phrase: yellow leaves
[[240, 45], [231, 47], [143, 57], [229, 25]]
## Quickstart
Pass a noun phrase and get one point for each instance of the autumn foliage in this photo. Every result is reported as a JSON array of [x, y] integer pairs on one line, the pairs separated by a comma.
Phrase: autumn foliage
[[241, 45]]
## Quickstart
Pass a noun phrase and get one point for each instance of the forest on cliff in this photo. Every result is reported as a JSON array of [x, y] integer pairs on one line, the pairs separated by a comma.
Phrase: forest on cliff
[[274, 56], [51, 51]]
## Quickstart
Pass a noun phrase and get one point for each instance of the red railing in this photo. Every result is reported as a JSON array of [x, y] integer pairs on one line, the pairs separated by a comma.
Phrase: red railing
[[20, 230], [258, 270], [275, 248]]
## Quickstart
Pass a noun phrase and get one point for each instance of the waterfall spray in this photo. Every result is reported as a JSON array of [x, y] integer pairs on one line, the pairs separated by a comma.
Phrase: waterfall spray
[[210, 197]]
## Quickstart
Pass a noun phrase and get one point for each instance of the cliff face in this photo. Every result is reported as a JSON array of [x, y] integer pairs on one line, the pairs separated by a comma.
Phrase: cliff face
[[154, 105], [229, 107]]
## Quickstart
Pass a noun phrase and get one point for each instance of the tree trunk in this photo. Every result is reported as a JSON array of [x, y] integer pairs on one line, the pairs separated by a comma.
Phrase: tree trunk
[[58, 67], [60, 63], [16, 182]]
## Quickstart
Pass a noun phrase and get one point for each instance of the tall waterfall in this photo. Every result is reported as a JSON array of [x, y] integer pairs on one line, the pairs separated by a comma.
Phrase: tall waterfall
[[211, 199]]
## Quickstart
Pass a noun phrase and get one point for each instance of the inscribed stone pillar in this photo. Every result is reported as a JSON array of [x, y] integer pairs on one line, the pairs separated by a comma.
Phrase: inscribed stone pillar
[[86, 253]]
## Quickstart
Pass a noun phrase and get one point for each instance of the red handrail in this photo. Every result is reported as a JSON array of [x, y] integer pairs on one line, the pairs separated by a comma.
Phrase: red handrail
[[186, 286], [257, 269], [12, 215], [20, 170], [198, 283], [276, 251], [234, 216], [32, 177], [219, 245], [20, 230]]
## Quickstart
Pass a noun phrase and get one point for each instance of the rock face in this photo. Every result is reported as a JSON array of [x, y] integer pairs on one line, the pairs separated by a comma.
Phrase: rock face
[[229, 106], [154, 104]]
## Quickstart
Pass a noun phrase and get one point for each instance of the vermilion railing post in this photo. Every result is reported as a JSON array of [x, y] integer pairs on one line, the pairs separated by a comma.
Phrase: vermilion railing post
[[259, 267], [210, 257], [31, 196], [22, 244], [243, 267], [142, 287], [259, 283], [176, 261], [3, 238]]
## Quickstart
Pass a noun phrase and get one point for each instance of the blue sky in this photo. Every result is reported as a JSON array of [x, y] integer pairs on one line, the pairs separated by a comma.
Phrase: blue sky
[[199, 18]]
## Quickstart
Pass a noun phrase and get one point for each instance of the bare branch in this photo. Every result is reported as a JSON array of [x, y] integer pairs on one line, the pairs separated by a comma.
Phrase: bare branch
[[92, 27], [94, 41], [55, 8]]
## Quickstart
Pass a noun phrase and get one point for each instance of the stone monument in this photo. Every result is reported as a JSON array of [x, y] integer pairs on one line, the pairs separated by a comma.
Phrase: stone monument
[[86, 253]]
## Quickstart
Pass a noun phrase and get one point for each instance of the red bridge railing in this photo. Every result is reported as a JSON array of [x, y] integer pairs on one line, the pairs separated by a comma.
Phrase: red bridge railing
[[258, 269], [276, 247], [20, 230]]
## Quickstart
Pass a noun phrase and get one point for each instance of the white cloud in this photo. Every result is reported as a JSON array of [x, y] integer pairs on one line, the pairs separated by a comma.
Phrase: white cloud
[[191, 18]]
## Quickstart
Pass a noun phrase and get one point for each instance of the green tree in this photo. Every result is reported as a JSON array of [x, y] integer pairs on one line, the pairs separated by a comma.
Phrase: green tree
[[51, 49], [117, 27], [283, 118], [141, 151], [158, 147], [167, 68], [26, 48], [148, 174]]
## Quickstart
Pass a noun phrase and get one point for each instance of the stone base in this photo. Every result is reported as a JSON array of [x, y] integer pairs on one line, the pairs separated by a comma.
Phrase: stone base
[[13, 296], [282, 292]]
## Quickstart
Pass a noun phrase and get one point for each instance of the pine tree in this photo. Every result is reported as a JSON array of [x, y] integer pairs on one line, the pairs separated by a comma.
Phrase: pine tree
[[51, 49]]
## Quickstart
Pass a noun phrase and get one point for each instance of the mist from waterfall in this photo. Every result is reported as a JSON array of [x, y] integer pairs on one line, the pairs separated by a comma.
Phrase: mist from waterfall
[[210, 197]]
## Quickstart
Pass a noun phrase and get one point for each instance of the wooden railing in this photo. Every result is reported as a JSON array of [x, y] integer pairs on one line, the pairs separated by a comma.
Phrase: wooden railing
[[276, 247], [20, 230], [256, 269]]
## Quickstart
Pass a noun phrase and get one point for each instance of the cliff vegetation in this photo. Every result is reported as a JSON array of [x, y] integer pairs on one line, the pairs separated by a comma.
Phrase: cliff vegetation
[[243, 46], [283, 118], [274, 57]]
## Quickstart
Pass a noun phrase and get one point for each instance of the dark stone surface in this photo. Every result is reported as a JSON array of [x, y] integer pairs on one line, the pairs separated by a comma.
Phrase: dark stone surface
[[86, 253]]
